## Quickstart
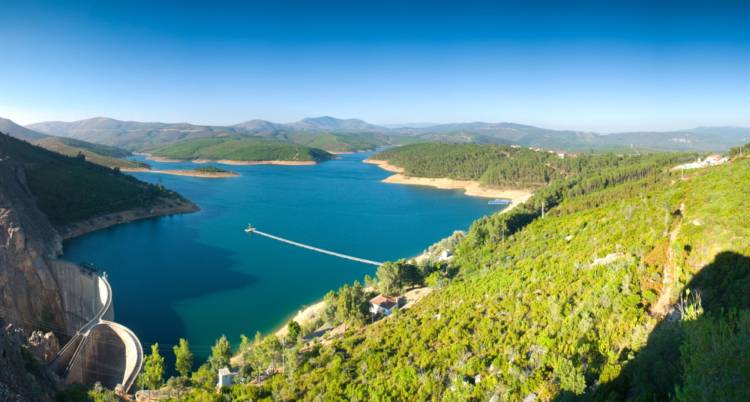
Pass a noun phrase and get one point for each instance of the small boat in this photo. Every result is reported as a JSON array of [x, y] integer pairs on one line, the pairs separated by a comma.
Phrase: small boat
[[499, 201], [249, 229]]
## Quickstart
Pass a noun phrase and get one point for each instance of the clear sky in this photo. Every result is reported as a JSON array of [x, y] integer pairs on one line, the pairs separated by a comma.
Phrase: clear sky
[[602, 66]]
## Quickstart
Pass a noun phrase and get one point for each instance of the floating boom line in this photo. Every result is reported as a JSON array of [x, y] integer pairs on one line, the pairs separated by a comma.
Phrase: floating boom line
[[251, 229]]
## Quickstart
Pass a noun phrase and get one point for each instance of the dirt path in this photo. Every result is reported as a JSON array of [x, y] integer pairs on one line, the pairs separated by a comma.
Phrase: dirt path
[[664, 303]]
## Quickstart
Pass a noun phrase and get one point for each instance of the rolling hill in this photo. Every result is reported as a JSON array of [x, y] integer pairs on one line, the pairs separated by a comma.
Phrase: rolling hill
[[346, 135], [100, 154], [241, 149], [69, 189], [327, 133]]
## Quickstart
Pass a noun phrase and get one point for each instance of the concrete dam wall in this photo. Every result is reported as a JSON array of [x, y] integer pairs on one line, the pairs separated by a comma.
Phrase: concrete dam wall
[[84, 294], [99, 350]]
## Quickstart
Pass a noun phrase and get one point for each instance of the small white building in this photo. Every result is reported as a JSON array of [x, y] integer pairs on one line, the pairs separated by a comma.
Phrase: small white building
[[445, 255], [383, 304], [226, 378], [714, 160]]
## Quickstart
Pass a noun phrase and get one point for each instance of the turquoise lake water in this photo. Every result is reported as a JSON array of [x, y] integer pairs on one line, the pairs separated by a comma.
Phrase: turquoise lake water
[[199, 275]]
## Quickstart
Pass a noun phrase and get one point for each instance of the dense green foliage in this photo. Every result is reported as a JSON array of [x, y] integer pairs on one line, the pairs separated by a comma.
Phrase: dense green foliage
[[552, 301], [183, 358], [345, 142], [248, 149], [71, 189], [505, 166], [741, 151], [221, 352], [540, 313], [152, 376], [210, 169]]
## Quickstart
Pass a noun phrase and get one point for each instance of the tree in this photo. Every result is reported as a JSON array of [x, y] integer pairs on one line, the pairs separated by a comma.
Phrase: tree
[[294, 330], [205, 377], [394, 276], [389, 279], [221, 352], [329, 313], [351, 304], [183, 358], [153, 370]]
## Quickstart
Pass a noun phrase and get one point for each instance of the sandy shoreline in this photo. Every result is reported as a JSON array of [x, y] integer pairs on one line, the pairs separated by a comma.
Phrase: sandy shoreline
[[191, 173], [303, 316], [471, 188], [384, 165], [166, 207]]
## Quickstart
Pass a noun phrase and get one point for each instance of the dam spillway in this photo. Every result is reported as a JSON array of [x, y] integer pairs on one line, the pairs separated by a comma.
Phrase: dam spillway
[[99, 350]]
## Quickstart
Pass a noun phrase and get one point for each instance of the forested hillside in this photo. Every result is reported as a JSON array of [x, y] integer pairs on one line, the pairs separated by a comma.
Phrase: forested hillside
[[627, 283], [505, 166], [245, 149], [104, 155], [70, 189], [562, 308]]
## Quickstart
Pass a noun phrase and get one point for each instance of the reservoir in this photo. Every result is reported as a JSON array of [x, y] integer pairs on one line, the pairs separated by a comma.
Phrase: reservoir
[[199, 276]]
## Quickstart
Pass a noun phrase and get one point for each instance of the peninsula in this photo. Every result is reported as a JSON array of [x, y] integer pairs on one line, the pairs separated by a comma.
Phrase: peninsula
[[207, 172], [471, 188], [239, 151]]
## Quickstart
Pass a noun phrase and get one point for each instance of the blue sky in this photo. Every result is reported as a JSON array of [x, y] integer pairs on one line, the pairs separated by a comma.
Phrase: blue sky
[[575, 65]]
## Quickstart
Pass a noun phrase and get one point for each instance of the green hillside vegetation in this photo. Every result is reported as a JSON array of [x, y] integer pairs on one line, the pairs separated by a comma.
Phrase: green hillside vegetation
[[240, 149], [346, 142], [211, 169], [70, 189], [104, 155], [740, 151], [504, 166], [555, 300]]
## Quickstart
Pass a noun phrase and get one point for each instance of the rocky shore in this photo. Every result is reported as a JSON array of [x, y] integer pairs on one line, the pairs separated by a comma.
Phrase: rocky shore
[[164, 207]]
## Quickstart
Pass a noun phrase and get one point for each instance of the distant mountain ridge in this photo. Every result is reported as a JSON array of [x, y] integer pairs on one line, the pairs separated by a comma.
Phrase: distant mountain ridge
[[133, 135], [97, 153]]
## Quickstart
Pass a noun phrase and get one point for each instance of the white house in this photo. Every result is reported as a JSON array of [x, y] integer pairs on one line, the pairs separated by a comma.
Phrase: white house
[[226, 377], [383, 304], [445, 255]]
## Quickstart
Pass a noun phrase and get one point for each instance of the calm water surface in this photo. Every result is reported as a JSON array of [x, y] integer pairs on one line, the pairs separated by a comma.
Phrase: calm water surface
[[200, 275]]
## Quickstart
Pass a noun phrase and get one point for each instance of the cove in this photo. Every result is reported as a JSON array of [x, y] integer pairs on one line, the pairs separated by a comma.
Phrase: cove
[[199, 275]]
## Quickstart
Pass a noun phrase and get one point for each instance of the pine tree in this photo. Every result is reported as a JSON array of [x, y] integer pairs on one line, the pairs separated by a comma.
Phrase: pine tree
[[153, 370], [221, 352], [183, 358]]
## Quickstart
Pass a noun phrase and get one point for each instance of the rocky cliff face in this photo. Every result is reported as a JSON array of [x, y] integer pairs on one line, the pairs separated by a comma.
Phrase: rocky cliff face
[[29, 297], [22, 377]]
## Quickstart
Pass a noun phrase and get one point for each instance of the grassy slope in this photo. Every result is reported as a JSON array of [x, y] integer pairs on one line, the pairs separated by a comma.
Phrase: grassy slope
[[69, 190], [104, 155], [534, 315], [240, 149]]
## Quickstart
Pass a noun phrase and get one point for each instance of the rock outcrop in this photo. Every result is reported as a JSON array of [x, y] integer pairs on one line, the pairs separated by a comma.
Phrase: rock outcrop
[[22, 377], [29, 296]]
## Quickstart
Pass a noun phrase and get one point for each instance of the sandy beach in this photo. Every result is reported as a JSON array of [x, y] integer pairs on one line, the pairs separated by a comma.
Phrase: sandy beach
[[471, 188], [384, 165], [307, 314], [191, 173]]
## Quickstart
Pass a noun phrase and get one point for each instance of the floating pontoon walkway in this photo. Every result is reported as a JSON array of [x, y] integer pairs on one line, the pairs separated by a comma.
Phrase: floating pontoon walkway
[[251, 229]]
